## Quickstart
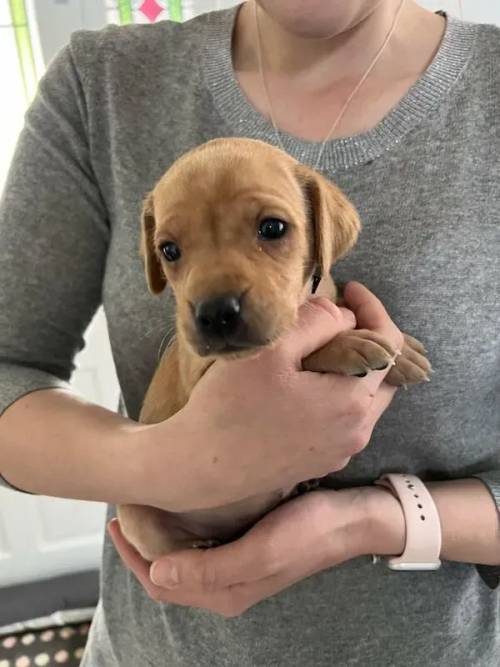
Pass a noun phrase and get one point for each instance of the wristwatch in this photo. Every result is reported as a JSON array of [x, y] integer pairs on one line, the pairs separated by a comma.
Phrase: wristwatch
[[423, 527]]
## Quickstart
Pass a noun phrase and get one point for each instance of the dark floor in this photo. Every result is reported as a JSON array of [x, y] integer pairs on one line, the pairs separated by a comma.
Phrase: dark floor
[[39, 599], [50, 647]]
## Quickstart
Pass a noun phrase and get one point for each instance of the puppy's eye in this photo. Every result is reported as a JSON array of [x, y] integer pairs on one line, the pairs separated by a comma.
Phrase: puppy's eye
[[272, 228], [171, 251]]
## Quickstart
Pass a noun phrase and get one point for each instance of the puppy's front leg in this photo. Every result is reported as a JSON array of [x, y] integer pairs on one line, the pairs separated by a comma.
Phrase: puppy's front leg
[[359, 351], [352, 353]]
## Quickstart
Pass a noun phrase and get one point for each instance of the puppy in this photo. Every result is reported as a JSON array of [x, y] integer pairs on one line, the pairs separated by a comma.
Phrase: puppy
[[242, 233]]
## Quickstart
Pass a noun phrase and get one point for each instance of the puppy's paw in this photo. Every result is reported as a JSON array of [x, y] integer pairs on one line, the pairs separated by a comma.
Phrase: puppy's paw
[[412, 366], [352, 353], [154, 533]]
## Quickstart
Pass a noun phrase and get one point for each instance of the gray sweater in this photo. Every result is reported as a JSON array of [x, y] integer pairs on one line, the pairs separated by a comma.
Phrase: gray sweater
[[114, 110]]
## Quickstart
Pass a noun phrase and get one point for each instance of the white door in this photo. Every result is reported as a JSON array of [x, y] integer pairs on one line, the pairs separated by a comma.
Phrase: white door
[[42, 537]]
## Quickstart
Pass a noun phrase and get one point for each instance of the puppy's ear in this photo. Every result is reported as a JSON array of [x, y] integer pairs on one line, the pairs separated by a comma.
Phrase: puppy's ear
[[154, 274], [335, 221]]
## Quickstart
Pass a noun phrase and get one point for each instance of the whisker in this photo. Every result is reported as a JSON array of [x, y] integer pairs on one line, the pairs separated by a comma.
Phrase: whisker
[[170, 335]]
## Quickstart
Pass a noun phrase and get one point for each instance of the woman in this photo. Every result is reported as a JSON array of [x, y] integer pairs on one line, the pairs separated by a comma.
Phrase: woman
[[416, 151]]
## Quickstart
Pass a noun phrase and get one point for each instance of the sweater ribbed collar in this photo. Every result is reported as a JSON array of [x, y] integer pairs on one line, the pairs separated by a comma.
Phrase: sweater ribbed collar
[[339, 154]]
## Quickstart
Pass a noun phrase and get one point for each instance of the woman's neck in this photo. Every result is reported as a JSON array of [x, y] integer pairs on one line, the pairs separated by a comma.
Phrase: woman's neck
[[310, 79], [344, 54]]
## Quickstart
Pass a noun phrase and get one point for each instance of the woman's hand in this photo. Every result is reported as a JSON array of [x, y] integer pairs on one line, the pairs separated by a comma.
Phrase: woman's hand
[[259, 424], [306, 535]]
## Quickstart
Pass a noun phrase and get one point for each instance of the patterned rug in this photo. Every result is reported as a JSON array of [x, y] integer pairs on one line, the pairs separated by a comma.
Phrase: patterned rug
[[51, 647]]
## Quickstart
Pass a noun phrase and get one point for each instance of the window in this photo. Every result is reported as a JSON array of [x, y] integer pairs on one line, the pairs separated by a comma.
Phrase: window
[[150, 11], [21, 66]]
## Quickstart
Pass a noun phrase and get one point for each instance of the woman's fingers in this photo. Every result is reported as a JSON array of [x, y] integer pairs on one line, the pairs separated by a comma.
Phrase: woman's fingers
[[382, 398], [370, 313], [131, 558], [319, 321]]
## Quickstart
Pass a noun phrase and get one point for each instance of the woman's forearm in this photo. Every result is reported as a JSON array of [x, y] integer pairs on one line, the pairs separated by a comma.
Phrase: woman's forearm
[[469, 519], [54, 443]]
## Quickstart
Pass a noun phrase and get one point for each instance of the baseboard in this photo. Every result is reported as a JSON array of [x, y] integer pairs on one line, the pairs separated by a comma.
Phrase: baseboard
[[39, 599]]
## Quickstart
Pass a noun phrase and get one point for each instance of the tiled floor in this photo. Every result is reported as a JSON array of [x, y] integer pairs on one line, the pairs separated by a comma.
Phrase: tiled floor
[[52, 647]]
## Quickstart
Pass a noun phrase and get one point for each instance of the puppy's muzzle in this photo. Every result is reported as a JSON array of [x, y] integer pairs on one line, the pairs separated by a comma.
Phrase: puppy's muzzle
[[221, 326]]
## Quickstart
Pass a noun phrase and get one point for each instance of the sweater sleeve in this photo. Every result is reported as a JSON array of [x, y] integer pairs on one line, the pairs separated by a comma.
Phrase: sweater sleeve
[[54, 236], [491, 574]]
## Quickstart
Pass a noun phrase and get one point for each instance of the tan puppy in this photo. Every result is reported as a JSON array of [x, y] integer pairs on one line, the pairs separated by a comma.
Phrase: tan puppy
[[238, 229]]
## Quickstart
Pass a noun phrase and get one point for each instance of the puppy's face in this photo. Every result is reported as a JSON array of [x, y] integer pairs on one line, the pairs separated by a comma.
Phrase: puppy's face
[[236, 227]]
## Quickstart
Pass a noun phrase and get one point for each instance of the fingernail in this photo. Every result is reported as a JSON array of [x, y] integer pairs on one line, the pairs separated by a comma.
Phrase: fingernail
[[164, 574], [112, 522], [382, 368]]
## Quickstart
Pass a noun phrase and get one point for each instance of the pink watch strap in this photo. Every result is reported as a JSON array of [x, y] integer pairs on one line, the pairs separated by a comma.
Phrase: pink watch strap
[[423, 527]]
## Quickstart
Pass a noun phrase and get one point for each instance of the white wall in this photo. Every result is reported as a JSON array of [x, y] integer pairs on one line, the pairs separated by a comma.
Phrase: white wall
[[480, 11]]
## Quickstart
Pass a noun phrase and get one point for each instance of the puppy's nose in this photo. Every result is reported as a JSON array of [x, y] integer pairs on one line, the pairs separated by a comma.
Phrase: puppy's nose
[[219, 317]]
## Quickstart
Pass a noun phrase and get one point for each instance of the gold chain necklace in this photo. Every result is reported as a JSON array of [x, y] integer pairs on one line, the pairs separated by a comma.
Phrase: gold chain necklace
[[349, 99]]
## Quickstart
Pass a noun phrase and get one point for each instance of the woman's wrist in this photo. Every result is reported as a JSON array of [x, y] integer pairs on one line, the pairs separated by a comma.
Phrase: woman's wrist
[[468, 515], [164, 472], [127, 446], [376, 524], [146, 473]]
